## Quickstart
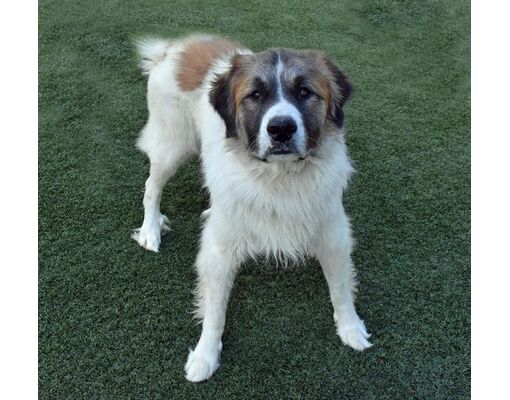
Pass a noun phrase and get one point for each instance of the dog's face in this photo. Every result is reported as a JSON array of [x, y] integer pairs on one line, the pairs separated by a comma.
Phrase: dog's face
[[280, 102]]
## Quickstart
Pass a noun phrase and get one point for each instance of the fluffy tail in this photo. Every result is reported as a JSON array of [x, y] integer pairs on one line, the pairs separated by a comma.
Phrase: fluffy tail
[[152, 51]]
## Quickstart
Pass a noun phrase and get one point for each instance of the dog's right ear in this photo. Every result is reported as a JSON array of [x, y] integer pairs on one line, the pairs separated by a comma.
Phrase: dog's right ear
[[221, 98]]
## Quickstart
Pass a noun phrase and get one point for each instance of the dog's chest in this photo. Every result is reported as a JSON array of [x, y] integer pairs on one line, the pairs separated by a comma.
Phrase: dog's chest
[[282, 228], [276, 220]]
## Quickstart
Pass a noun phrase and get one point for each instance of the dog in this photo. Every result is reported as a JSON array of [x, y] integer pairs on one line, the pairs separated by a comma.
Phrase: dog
[[268, 127]]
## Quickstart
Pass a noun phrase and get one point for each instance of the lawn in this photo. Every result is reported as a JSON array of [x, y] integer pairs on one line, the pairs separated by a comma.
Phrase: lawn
[[115, 320]]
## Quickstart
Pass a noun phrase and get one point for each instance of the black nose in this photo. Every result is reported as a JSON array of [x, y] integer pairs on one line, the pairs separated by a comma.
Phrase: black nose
[[281, 129]]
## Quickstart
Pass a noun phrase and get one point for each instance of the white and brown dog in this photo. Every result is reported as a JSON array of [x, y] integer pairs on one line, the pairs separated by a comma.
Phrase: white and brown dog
[[268, 128]]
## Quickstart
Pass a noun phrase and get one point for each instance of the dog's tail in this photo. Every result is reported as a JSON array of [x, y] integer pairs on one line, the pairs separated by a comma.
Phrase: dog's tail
[[152, 51]]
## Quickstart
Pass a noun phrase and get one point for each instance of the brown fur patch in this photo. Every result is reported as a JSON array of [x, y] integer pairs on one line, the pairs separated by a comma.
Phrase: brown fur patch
[[246, 67], [198, 56], [240, 87]]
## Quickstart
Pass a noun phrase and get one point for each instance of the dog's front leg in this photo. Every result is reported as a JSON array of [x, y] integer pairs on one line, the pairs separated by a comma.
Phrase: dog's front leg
[[216, 267], [334, 254]]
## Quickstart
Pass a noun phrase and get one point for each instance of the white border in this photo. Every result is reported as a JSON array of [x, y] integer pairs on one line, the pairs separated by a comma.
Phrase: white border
[[490, 150], [18, 208], [490, 199]]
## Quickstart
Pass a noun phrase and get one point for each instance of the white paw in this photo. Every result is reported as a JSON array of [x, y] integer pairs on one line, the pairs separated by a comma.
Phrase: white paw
[[201, 365], [149, 236], [353, 333]]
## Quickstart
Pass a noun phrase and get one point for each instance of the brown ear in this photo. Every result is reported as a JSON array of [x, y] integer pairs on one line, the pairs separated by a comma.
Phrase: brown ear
[[221, 98], [341, 91]]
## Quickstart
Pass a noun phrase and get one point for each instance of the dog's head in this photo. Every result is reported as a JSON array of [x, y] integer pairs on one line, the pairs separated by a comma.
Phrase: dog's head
[[280, 102]]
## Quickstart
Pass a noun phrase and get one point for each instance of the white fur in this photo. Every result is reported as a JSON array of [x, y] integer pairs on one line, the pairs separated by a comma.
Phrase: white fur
[[286, 210], [152, 52]]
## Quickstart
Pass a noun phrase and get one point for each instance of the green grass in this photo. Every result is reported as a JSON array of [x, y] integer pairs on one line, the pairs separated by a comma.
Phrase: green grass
[[115, 321]]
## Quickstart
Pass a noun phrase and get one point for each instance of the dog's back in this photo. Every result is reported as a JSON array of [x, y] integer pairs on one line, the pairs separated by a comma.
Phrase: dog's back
[[177, 70], [190, 57]]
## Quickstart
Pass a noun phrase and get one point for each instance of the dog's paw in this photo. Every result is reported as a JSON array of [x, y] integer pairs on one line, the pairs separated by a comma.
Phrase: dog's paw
[[353, 333], [149, 237], [201, 365]]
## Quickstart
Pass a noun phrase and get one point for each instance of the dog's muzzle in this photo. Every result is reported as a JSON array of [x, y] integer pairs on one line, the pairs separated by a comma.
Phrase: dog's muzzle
[[281, 132]]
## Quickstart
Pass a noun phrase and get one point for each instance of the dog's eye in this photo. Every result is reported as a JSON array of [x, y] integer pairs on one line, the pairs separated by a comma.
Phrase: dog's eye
[[304, 92], [256, 94]]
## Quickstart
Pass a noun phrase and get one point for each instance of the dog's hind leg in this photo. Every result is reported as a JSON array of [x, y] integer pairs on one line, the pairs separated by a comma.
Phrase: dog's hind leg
[[154, 223], [165, 157]]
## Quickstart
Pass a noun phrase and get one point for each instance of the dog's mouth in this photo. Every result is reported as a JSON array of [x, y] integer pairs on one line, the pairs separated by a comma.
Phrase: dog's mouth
[[281, 148], [282, 156], [281, 151]]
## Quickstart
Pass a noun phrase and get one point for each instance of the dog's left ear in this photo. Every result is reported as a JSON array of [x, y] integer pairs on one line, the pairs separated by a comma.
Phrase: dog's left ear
[[222, 99], [340, 92]]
